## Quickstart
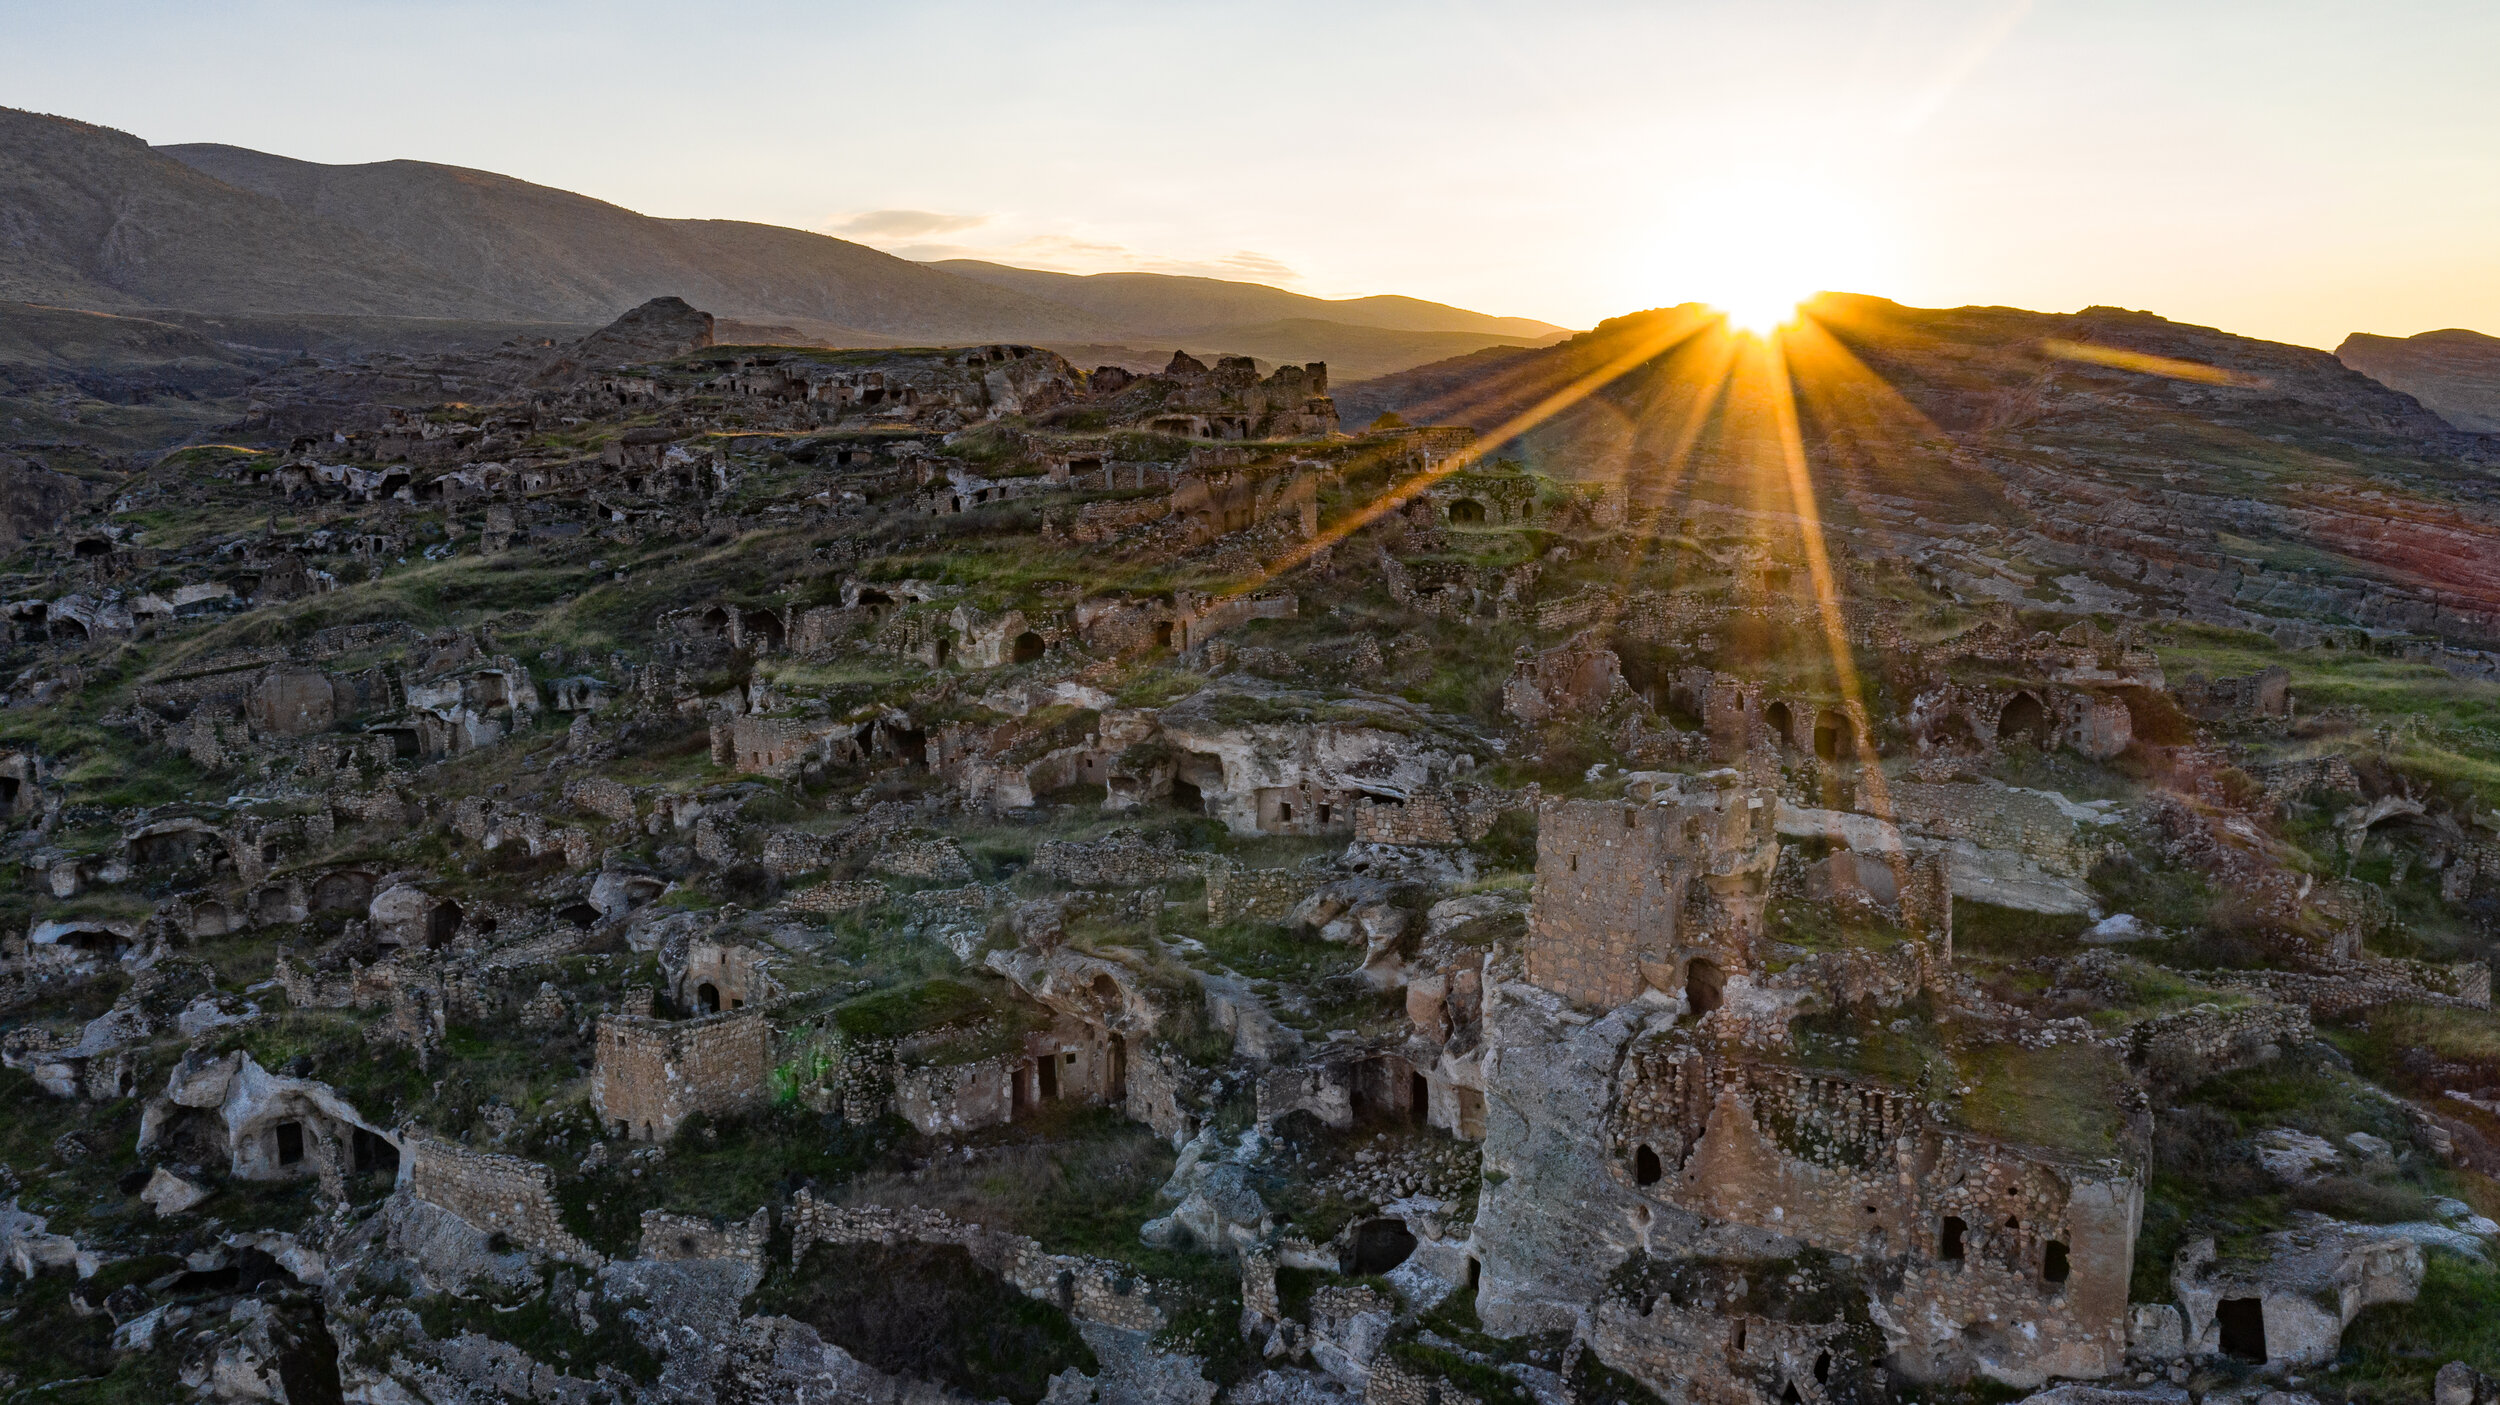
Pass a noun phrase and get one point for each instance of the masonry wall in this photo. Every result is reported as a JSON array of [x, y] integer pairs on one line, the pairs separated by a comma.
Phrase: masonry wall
[[1253, 894], [2182, 1049], [1118, 860], [1860, 1168], [651, 1075], [1617, 909], [1455, 814], [493, 1192], [1089, 1290]]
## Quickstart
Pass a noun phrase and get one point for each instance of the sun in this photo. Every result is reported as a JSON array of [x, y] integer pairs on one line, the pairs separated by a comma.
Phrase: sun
[[1758, 247], [1763, 308]]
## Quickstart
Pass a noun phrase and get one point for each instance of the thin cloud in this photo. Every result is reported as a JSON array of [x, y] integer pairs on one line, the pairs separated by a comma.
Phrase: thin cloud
[[1242, 264], [1069, 253], [904, 224]]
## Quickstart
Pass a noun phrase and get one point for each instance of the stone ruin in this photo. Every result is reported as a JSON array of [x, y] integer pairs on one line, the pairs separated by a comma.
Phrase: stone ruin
[[652, 1074]]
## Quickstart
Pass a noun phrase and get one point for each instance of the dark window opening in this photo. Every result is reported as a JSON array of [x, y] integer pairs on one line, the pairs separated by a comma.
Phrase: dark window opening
[[1466, 510], [290, 1137], [1645, 1167], [1187, 797], [1163, 634], [1284, 814], [1949, 1243], [2054, 1265], [2243, 1323], [1048, 1069], [707, 998], [1419, 1097], [1028, 647], [1378, 1246], [372, 1153], [1822, 1368], [1777, 719], [1789, 1396], [1475, 1274], [1704, 987], [1323, 813], [1833, 738], [2024, 720]]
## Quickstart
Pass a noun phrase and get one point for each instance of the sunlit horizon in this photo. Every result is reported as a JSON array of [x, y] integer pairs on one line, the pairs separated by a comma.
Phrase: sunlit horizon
[[2297, 172]]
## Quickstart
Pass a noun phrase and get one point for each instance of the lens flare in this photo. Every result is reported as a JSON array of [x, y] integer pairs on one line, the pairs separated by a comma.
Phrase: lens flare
[[1761, 311], [1757, 247]]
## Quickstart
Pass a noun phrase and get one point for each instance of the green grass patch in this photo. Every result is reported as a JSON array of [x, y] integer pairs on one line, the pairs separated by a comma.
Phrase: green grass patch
[[929, 1311]]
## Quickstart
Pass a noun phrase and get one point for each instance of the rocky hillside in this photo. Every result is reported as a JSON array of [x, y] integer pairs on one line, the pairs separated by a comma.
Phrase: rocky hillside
[[1955, 865], [97, 219], [2455, 373]]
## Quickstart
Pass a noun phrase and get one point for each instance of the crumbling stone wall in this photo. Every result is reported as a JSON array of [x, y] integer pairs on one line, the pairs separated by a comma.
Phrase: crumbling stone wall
[[610, 800], [1738, 1358], [1629, 896], [1089, 1290], [1118, 860], [1236, 894], [651, 1075], [2185, 1048], [668, 1236], [1569, 680], [1393, 1382], [2346, 986], [496, 1193], [1983, 1232], [1438, 814]]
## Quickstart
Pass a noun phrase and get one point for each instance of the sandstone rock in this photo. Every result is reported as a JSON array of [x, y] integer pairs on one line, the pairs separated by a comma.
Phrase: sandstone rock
[[2289, 1307], [2121, 927], [2296, 1156], [169, 1194]]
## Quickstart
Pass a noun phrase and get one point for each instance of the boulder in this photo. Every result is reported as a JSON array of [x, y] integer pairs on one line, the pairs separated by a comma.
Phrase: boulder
[[169, 1194]]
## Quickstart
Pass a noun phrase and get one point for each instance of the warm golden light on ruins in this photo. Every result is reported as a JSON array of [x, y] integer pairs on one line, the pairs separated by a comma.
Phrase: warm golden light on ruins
[[977, 791]]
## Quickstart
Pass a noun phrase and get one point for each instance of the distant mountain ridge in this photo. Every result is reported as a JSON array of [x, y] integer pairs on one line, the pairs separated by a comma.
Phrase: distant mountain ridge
[[1170, 303], [2454, 373], [98, 219]]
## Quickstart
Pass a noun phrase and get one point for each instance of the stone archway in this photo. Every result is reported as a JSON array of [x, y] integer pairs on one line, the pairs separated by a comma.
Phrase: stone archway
[[2024, 718]]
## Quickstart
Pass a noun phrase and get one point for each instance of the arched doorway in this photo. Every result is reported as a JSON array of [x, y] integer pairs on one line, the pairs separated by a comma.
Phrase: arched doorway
[[1781, 724], [1026, 649], [707, 998], [1466, 511], [1834, 739], [2025, 720]]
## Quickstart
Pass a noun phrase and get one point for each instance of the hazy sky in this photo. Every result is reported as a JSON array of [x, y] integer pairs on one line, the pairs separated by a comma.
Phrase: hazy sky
[[2288, 169]]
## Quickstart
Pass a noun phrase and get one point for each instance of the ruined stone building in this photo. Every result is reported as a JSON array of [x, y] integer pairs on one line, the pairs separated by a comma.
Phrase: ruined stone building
[[652, 1074]]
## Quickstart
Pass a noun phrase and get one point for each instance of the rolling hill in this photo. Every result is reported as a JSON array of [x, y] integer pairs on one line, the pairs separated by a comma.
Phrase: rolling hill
[[96, 219], [2455, 373]]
